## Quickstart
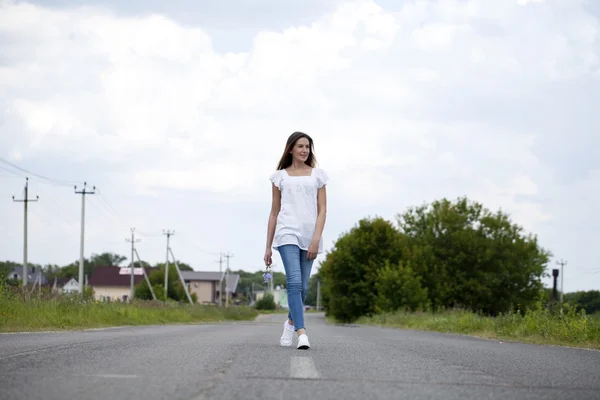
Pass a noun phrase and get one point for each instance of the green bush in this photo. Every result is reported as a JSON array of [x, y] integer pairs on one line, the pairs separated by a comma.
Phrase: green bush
[[267, 302]]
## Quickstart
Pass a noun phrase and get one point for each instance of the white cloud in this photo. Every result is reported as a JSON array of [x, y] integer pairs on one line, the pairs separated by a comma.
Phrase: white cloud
[[525, 2], [435, 99]]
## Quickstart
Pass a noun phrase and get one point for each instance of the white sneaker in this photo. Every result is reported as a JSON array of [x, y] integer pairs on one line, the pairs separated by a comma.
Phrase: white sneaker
[[288, 334], [303, 342]]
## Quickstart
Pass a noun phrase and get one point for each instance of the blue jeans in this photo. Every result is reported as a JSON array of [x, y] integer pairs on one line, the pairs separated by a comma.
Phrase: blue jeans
[[297, 273]]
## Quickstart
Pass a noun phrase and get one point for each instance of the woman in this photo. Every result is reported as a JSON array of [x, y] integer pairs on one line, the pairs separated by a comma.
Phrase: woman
[[295, 226]]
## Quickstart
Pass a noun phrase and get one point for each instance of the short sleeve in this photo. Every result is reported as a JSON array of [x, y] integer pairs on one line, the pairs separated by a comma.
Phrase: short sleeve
[[322, 178], [276, 178]]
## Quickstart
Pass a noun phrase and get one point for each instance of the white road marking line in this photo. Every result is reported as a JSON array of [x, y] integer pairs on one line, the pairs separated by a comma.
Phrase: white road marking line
[[303, 368], [112, 376]]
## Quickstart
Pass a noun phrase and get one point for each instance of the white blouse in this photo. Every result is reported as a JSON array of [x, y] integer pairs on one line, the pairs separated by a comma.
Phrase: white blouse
[[297, 218]]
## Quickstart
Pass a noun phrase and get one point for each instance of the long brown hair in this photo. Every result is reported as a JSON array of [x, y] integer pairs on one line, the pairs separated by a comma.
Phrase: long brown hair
[[286, 158]]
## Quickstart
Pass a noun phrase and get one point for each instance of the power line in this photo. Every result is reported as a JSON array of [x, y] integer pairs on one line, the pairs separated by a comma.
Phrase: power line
[[133, 241], [44, 178], [145, 275], [82, 193], [17, 171], [227, 256], [10, 170], [220, 261], [26, 200], [168, 234], [101, 196]]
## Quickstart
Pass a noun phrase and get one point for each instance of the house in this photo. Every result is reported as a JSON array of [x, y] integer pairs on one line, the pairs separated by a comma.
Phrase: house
[[34, 275], [206, 285], [113, 283], [65, 285]]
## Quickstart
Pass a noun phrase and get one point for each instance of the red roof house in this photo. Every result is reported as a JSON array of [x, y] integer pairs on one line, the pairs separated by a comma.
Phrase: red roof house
[[113, 283]]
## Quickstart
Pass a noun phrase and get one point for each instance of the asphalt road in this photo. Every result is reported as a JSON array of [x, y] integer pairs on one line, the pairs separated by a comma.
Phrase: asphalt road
[[244, 361]]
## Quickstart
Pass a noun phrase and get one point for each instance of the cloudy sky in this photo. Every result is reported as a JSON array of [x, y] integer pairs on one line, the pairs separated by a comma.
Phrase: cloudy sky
[[178, 112]]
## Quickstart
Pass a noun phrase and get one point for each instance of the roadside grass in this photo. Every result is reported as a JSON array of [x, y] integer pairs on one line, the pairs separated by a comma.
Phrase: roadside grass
[[538, 325], [20, 312], [285, 311], [277, 311]]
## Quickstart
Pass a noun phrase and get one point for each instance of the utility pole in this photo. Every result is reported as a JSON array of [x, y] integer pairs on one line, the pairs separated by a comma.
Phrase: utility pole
[[145, 275], [220, 280], [25, 201], [228, 256], [82, 193], [187, 292], [133, 241], [168, 234], [562, 263]]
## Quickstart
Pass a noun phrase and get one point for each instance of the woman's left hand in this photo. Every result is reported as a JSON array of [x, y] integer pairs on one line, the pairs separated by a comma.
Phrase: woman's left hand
[[313, 250]]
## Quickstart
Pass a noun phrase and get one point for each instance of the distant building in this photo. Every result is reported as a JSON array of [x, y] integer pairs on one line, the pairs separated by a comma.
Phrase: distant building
[[114, 283], [32, 276], [65, 285], [206, 285]]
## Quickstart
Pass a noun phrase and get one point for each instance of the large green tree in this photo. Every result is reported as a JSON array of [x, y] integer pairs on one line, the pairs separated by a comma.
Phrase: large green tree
[[469, 257], [442, 255], [350, 270]]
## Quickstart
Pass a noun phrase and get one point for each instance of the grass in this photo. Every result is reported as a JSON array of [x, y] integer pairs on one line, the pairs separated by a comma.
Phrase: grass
[[284, 311], [21, 312], [538, 325]]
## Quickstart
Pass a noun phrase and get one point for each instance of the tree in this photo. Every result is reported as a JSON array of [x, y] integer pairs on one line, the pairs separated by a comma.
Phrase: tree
[[72, 270], [182, 266], [267, 302], [589, 301], [7, 266], [142, 263], [175, 289], [470, 257], [107, 258], [311, 296], [351, 270], [255, 280], [398, 287]]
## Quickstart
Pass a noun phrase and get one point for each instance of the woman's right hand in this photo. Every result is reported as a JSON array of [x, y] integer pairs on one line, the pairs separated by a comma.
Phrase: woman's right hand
[[268, 257]]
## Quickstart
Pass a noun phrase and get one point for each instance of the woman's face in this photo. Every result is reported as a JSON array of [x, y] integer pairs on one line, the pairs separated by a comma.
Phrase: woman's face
[[301, 150]]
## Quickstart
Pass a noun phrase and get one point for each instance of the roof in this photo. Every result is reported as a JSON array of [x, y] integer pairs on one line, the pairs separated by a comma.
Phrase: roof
[[201, 276], [32, 276], [212, 276], [62, 281], [117, 276]]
